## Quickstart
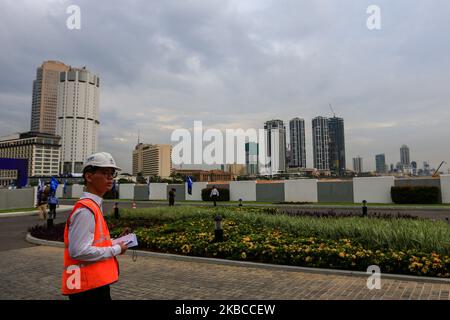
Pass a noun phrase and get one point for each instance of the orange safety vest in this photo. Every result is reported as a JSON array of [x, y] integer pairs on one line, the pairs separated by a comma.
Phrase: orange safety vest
[[79, 276]]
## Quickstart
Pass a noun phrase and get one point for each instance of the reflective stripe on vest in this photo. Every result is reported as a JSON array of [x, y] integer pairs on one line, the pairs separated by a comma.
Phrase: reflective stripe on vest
[[79, 276]]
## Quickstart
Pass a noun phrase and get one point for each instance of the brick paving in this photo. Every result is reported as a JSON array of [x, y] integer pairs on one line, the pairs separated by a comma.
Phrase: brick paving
[[34, 273]]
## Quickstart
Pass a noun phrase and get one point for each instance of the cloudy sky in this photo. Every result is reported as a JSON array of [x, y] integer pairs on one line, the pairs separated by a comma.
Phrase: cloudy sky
[[238, 63]]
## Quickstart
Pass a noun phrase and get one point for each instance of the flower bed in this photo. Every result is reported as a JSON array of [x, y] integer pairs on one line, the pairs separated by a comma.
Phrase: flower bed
[[402, 246]]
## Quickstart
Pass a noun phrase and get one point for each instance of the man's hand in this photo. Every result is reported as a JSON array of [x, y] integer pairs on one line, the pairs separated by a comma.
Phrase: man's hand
[[123, 247]]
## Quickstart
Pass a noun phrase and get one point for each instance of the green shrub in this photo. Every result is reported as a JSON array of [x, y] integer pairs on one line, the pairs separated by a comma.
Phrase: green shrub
[[415, 195], [224, 194]]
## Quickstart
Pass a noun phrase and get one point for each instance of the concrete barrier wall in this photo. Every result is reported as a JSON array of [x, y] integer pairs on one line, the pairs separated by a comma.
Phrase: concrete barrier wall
[[59, 191], [18, 198], [245, 190], [158, 191], [335, 191], [77, 191], [302, 190], [373, 189], [180, 191], [126, 191], [445, 188], [273, 192], [141, 192], [196, 191]]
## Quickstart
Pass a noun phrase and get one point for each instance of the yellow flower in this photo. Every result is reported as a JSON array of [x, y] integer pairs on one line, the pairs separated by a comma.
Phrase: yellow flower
[[308, 259], [342, 254], [243, 255]]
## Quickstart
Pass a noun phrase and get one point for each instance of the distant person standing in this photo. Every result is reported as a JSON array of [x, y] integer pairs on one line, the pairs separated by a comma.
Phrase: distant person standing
[[172, 197], [116, 211], [214, 195], [52, 204], [42, 204]]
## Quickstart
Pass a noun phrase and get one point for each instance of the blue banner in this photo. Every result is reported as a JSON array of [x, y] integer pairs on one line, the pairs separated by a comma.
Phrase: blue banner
[[189, 182]]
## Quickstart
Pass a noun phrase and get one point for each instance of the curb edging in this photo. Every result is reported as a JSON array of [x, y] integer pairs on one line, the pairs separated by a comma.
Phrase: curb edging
[[169, 256]]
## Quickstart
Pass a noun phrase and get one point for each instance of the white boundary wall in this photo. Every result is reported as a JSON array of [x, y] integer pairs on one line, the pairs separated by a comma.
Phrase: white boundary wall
[[126, 191], [373, 189], [302, 190], [196, 191], [59, 191], [158, 191], [245, 190], [445, 188], [77, 190]]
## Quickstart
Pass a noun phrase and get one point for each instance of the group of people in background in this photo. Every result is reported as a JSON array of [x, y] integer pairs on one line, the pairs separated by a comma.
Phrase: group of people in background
[[47, 200]]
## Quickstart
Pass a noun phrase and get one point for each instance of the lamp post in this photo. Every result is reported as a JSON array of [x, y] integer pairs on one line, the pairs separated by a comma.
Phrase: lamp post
[[364, 208], [218, 229], [240, 202]]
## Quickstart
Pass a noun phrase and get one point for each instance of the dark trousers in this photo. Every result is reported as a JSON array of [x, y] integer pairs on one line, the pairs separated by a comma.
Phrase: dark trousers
[[97, 294], [52, 211], [214, 198], [171, 201]]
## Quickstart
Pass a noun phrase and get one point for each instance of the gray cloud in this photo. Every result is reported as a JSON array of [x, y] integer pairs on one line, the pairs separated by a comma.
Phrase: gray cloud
[[164, 64]]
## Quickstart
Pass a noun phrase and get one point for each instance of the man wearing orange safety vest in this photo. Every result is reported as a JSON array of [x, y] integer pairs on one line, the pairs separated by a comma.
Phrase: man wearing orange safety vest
[[90, 263]]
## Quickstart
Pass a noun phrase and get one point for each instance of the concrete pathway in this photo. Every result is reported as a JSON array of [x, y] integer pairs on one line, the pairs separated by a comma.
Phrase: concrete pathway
[[34, 273]]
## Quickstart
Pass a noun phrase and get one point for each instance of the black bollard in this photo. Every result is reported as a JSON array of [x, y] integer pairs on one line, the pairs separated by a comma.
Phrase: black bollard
[[364, 208]]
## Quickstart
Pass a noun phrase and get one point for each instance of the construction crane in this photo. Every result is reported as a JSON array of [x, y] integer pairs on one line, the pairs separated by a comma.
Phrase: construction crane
[[435, 174], [334, 114]]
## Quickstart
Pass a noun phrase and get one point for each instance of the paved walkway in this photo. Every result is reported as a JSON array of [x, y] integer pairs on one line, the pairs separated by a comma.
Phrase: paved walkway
[[34, 273]]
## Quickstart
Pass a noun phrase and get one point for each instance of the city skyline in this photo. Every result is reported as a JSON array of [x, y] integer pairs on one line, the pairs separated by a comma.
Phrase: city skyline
[[378, 81]]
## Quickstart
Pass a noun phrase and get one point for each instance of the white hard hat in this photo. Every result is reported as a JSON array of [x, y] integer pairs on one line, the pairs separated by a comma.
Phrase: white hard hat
[[101, 159]]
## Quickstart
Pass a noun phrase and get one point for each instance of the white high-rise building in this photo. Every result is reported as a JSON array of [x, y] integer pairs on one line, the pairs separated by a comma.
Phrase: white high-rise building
[[77, 117], [358, 164], [275, 132]]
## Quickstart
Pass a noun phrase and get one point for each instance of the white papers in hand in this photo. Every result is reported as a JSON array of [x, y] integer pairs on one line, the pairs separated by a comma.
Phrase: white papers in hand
[[130, 240]]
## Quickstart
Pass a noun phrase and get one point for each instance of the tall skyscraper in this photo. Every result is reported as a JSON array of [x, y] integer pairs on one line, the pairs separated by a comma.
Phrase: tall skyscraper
[[298, 149], [77, 124], [321, 143], [358, 164], [45, 94], [337, 145], [380, 161], [276, 145], [404, 156], [251, 158], [152, 160]]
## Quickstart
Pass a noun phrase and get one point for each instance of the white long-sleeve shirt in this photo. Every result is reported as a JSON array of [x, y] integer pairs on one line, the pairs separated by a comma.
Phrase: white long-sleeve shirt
[[214, 192], [81, 235]]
